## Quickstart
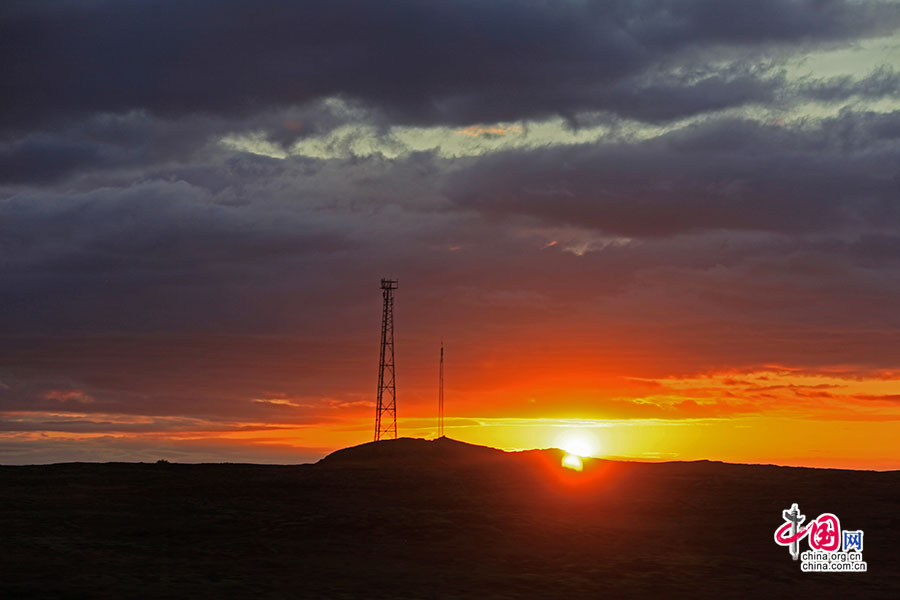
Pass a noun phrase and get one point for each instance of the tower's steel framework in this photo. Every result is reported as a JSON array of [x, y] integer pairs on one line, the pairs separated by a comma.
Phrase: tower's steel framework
[[386, 407], [441, 395]]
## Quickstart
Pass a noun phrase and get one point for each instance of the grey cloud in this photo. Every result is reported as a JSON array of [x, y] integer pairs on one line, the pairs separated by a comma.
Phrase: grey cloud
[[720, 174], [105, 142], [104, 258], [142, 143], [42, 158], [150, 225], [876, 249], [884, 82], [418, 62], [664, 97]]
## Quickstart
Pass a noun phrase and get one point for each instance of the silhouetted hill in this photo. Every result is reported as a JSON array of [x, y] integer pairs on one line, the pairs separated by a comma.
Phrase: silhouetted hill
[[413, 451], [432, 519]]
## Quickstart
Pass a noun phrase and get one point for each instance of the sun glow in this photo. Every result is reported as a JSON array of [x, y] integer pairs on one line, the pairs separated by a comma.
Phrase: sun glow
[[579, 444]]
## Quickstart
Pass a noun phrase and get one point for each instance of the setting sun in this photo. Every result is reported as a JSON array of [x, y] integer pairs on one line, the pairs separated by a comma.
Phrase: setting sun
[[572, 461]]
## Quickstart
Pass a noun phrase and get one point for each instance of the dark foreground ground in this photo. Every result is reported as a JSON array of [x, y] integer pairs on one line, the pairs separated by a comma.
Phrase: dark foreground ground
[[416, 519]]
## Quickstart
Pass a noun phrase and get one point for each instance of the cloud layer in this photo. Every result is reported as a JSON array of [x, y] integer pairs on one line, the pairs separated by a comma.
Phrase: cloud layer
[[197, 201], [453, 62]]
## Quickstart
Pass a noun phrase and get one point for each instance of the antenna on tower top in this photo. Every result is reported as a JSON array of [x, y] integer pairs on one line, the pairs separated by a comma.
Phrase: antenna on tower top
[[441, 395], [386, 406]]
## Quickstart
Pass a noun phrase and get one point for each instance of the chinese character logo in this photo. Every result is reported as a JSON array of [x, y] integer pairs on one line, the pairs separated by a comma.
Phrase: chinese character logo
[[825, 533], [822, 533], [830, 548], [853, 541], [788, 534]]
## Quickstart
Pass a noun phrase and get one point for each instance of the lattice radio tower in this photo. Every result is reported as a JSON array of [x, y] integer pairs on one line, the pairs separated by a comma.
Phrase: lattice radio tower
[[441, 396], [386, 408]]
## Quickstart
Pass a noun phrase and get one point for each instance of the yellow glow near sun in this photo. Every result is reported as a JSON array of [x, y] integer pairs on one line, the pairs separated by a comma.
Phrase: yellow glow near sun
[[579, 444]]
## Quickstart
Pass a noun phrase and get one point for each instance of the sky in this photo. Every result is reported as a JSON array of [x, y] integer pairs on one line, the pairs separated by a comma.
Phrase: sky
[[669, 229]]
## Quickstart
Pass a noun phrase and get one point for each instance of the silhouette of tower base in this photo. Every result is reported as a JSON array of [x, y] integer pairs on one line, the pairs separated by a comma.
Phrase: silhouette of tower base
[[386, 406]]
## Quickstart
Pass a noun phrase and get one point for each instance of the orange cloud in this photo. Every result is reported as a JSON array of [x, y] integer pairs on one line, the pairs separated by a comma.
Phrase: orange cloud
[[489, 131]]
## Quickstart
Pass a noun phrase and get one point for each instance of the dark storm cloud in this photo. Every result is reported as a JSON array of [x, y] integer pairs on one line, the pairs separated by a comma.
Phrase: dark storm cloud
[[102, 258], [665, 97], [669, 97], [102, 141], [140, 141], [152, 225], [417, 61], [881, 83], [43, 159], [842, 173]]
